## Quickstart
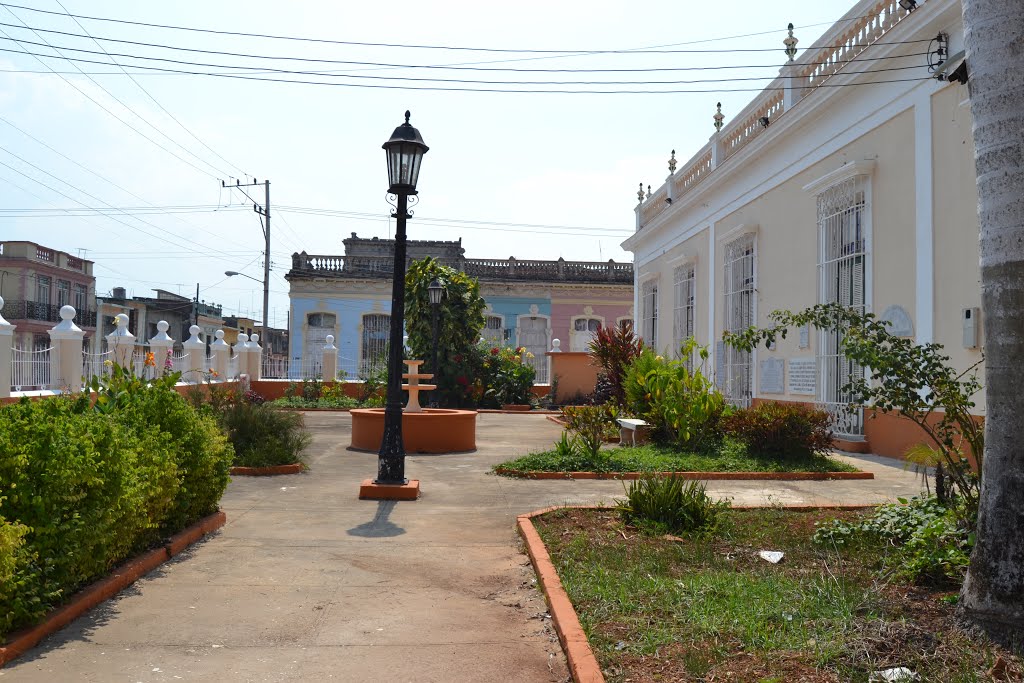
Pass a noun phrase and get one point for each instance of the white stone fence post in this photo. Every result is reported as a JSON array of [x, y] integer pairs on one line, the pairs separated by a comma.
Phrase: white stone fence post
[[221, 355], [330, 360], [255, 357], [161, 345], [242, 354], [66, 360], [6, 343], [196, 349], [121, 343]]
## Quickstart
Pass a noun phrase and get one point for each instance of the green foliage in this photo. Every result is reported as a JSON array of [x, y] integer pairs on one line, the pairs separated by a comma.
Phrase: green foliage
[[507, 377], [613, 349], [670, 505], [14, 591], [929, 545], [263, 436], [781, 430], [591, 426], [91, 487], [682, 405], [460, 319], [917, 380]]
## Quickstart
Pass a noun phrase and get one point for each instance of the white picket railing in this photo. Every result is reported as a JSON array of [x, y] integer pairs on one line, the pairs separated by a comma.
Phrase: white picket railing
[[30, 370], [93, 364]]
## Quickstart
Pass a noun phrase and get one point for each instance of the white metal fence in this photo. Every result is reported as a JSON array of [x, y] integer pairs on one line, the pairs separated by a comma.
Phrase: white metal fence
[[30, 370]]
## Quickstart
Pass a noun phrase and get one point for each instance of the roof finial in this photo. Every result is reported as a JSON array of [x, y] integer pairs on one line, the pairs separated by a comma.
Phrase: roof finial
[[790, 43], [648, 191], [640, 193], [718, 117], [407, 111], [672, 162]]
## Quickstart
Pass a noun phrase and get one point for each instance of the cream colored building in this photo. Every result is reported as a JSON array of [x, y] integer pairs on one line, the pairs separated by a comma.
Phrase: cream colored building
[[844, 180]]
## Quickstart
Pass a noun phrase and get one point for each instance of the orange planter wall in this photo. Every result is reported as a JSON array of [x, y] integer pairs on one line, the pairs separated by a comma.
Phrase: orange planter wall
[[575, 373], [271, 389], [433, 431]]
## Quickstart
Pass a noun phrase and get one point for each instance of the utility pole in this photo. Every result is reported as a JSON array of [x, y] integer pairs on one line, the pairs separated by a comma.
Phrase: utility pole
[[195, 307], [263, 211]]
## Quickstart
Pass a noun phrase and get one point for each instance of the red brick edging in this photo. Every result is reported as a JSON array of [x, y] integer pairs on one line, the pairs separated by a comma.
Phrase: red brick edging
[[293, 468], [708, 476], [84, 600], [582, 663]]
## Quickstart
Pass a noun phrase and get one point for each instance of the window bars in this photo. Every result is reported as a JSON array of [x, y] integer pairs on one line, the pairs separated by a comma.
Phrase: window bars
[[534, 336], [373, 351], [649, 311], [685, 308], [738, 383], [842, 257]]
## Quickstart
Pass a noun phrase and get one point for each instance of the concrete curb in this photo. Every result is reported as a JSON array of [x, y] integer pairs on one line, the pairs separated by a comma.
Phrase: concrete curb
[[583, 663], [293, 468], [708, 476], [84, 600]]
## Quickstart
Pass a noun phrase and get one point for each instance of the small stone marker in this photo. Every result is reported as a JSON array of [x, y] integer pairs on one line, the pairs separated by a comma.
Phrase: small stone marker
[[773, 556], [899, 674]]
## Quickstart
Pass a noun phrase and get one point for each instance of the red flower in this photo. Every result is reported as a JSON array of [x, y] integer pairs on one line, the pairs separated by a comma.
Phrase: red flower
[[494, 351], [461, 379], [458, 358]]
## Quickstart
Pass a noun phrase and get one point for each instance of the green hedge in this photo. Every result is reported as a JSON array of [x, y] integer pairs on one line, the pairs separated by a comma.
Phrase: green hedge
[[82, 489]]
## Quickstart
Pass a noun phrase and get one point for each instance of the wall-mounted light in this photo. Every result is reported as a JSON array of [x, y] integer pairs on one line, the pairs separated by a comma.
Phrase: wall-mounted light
[[909, 5], [764, 121]]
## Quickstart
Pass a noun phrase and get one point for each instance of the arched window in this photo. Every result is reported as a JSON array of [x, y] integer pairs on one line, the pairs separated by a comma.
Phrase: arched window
[[494, 330], [583, 331]]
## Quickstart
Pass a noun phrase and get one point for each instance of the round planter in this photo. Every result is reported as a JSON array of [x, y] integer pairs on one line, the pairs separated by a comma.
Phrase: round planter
[[517, 407], [431, 430]]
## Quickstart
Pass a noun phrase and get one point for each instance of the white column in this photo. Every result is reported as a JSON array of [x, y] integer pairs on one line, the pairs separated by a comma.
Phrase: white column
[[161, 345], [242, 354], [255, 357], [924, 236], [66, 356], [196, 349], [221, 354], [330, 360], [121, 342], [6, 342]]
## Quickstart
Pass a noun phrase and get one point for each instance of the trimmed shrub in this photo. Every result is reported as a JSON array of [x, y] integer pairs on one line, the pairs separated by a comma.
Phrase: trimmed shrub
[[670, 504], [591, 426], [782, 430], [264, 436]]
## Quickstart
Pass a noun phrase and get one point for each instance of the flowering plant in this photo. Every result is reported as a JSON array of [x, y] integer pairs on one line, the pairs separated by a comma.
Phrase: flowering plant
[[506, 375]]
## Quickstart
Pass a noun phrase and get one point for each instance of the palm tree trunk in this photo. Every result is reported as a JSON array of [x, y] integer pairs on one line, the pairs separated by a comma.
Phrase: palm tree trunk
[[993, 593]]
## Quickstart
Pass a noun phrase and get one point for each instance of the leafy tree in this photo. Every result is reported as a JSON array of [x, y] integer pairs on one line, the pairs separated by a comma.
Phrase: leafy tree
[[914, 380], [460, 319], [993, 593]]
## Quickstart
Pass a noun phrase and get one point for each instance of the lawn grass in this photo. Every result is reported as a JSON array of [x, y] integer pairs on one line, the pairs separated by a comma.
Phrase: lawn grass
[[709, 609], [732, 457]]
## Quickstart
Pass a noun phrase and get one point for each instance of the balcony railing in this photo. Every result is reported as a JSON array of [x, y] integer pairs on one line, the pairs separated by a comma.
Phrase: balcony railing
[[485, 269], [50, 313]]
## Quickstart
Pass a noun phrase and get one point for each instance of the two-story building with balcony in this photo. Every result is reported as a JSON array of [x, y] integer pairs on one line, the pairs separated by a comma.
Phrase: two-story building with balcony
[[849, 179], [529, 302], [35, 281]]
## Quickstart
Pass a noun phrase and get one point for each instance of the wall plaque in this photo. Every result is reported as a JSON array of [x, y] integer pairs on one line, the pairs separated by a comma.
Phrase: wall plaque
[[773, 372], [805, 336], [900, 324], [803, 376]]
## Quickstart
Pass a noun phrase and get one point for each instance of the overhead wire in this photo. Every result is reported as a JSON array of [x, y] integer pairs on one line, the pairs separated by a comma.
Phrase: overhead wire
[[150, 96]]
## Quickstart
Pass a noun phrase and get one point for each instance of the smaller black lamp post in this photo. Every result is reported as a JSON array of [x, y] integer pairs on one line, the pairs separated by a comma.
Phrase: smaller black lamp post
[[435, 290]]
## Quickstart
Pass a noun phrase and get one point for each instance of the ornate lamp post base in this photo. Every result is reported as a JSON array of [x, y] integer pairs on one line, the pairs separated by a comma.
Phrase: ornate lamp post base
[[370, 490]]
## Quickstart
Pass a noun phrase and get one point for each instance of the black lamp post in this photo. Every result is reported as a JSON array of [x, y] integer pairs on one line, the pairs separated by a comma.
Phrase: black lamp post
[[435, 290], [405, 152]]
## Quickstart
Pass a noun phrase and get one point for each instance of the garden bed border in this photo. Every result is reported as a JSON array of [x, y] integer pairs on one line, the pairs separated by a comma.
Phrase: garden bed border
[[20, 642], [707, 476], [580, 656]]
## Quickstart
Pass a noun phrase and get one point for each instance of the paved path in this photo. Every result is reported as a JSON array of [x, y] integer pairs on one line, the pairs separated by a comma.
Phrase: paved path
[[308, 583]]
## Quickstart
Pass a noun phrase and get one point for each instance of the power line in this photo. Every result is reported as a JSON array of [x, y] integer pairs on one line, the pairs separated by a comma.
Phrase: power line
[[150, 96], [376, 64], [404, 46], [488, 90], [104, 108]]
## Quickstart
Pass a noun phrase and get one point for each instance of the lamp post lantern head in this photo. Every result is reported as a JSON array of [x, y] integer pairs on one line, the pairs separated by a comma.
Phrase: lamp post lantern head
[[405, 152], [435, 290]]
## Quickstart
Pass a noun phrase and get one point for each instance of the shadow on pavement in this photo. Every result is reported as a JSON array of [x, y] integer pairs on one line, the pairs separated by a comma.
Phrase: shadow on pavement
[[380, 526]]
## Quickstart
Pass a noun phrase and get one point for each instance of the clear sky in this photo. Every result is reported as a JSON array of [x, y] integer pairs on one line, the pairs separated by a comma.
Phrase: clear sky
[[534, 175]]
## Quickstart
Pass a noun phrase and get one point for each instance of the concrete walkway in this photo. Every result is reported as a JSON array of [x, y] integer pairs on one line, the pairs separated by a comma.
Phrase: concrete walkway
[[308, 583]]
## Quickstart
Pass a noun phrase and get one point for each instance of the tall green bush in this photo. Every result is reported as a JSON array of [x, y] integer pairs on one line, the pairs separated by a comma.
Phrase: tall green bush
[[460, 319], [682, 405], [264, 436]]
